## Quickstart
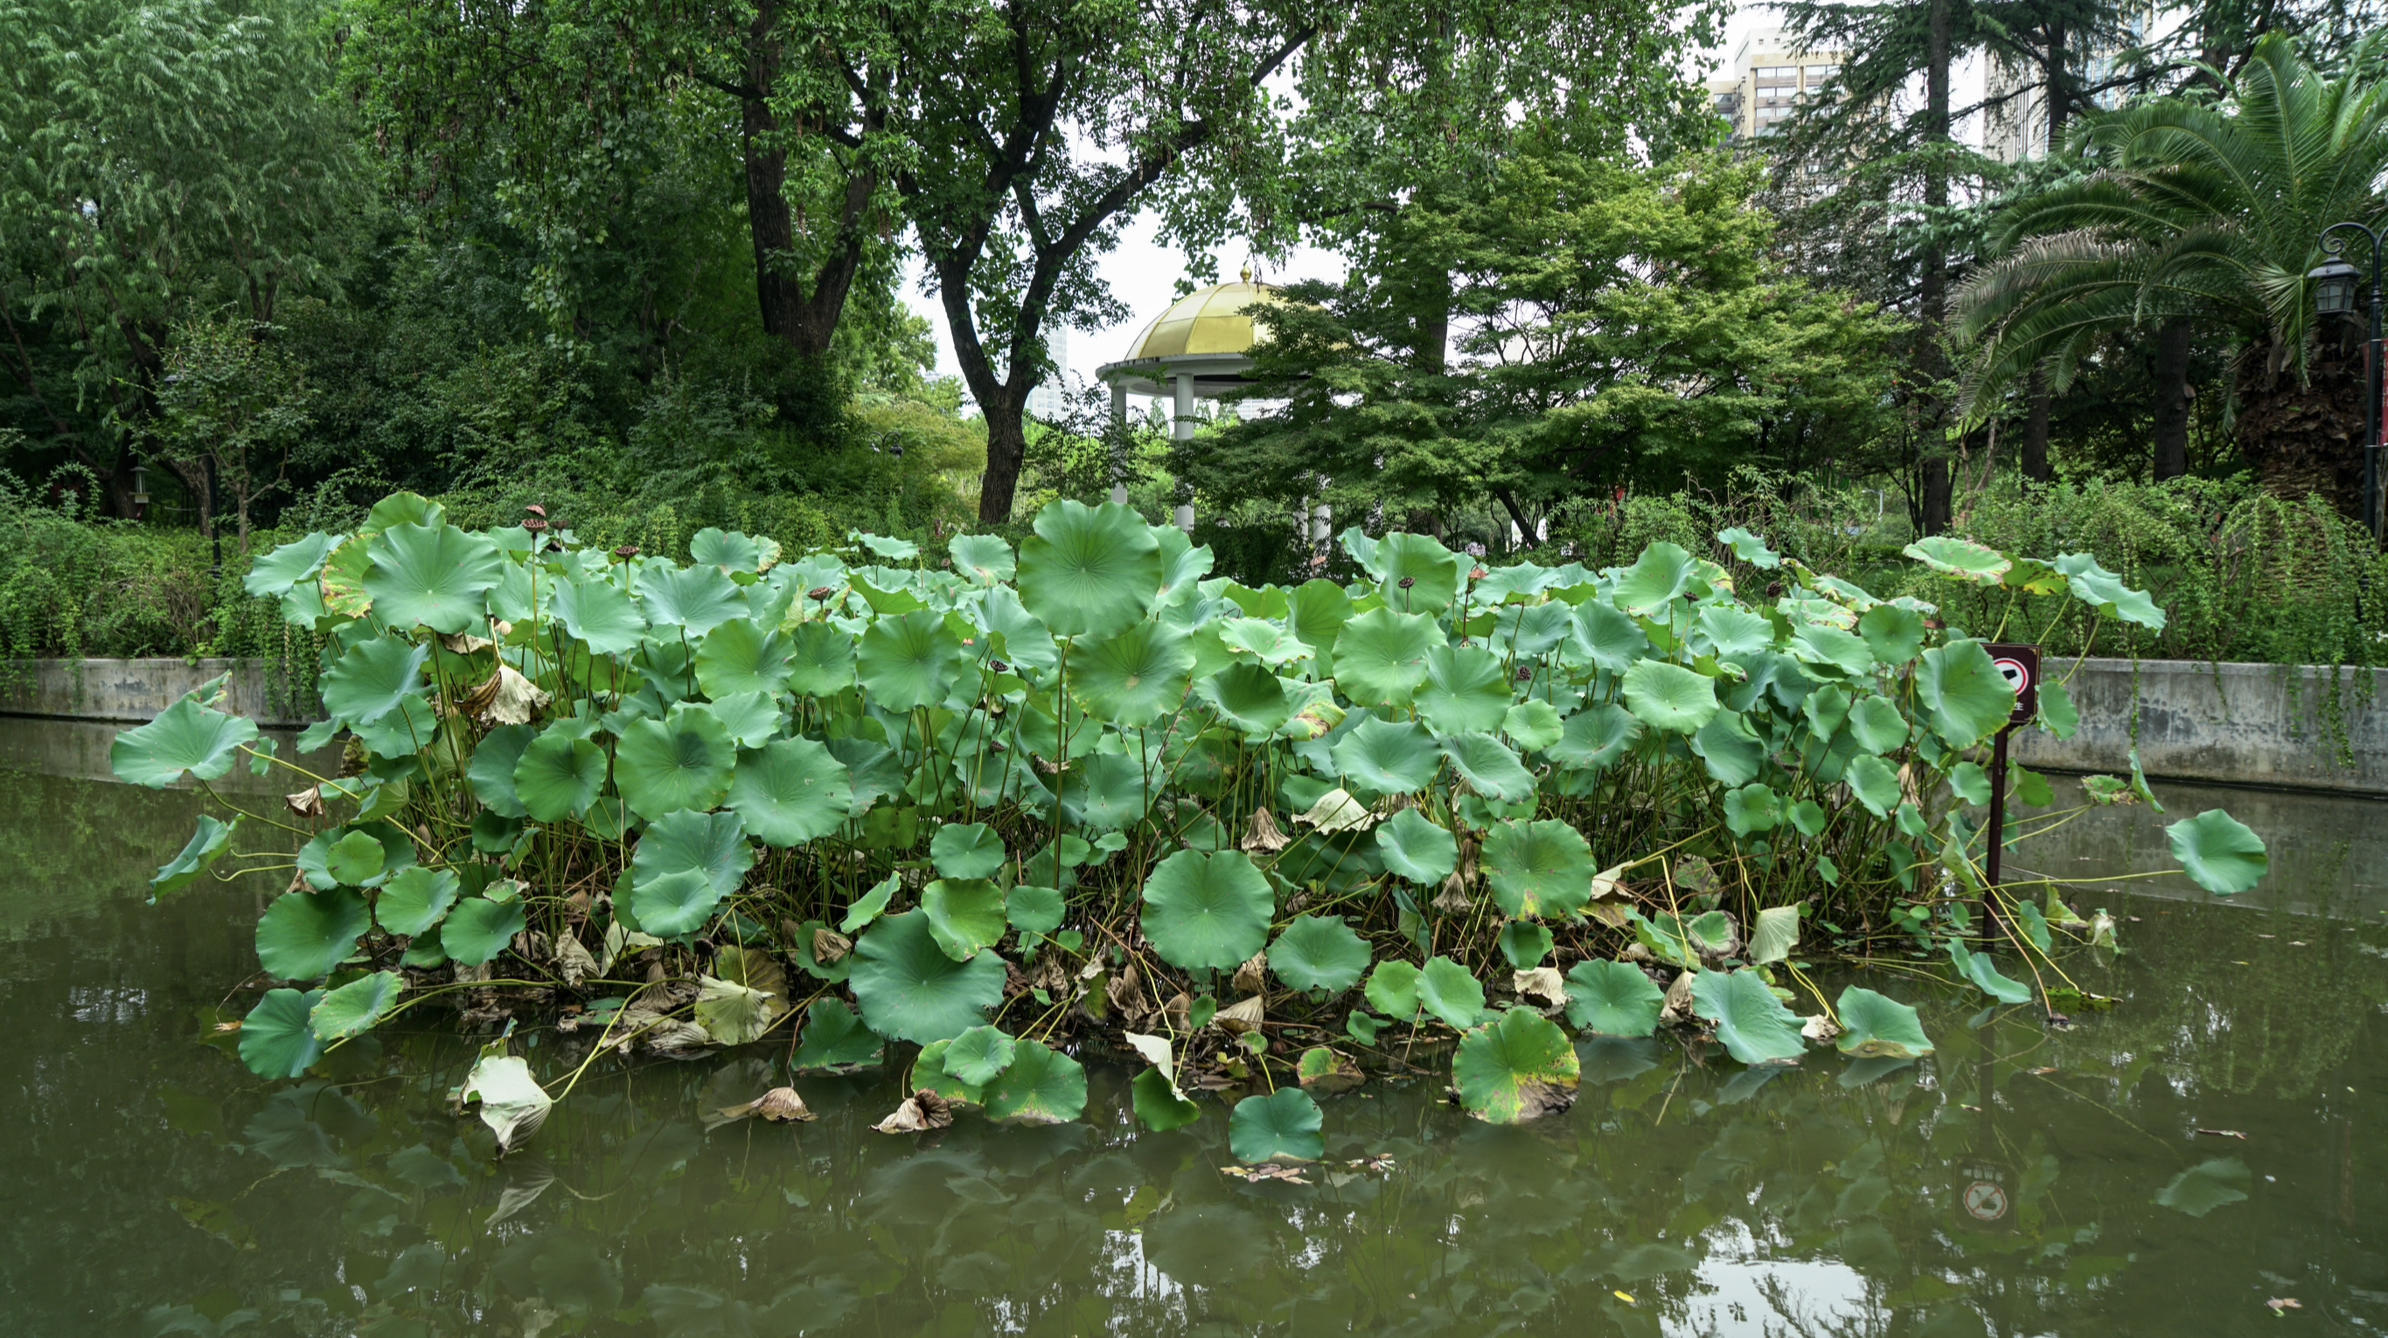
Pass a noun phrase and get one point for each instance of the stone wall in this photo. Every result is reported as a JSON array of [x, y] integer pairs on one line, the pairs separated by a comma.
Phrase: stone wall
[[134, 691]]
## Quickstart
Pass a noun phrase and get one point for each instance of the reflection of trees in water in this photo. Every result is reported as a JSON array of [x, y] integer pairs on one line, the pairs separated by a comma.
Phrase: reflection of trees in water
[[71, 847]]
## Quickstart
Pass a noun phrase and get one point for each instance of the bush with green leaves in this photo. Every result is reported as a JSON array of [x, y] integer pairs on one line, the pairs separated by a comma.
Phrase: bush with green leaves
[[999, 804]]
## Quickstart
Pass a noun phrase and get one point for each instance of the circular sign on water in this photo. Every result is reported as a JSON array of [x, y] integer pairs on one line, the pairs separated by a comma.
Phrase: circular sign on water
[[1986, 1200]]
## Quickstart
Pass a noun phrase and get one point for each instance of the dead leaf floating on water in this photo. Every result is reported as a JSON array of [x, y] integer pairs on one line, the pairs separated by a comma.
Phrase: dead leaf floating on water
[[780, 1105], [2223, 1133], [1240, 1017], [1819, 1029], [921, 1112], [307, 803], [1263, 836], [1543, 982], [2283, 1304]]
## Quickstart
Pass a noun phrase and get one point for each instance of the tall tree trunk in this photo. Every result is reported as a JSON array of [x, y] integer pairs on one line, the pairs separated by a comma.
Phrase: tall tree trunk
[[801, 314], [2306, 436], [1932, 285], [2035, 429], [1007, 449], [2055, 96], [2172, 399]]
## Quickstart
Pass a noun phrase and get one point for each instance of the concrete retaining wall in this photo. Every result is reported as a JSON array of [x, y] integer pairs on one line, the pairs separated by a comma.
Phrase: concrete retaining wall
[[134, 691], [2229, 724]]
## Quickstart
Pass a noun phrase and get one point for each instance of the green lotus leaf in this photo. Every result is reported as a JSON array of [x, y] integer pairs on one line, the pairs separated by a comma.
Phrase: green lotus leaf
[[1892, 633], [1876, 1027], [1663, 573], [1466, 690], [1109, 791], [717, 548], [965, 915], [356, 1007], [967, 850], [1519, 1068], [1774, 934], [1319, 952], [303, 935], [560, 774], [341, 583], [1962, 689], [681, 761], [209, 840], [911, 991], [1207, 910], [1608, 638], [272, 575], [820, 660], [1090, 571], [1732, 753], [492, 770], [752, 718], [692, 600], [372, 678], [1282, 1126], [1876, 724], [1752, 809], [185, 737], [736, 1012], [432, 576], [1753, 1024], [909, 661], [1985, 975], [1380, 656], [277, 1038], [1820, 646], [1749, 548], [1807, 816], [711, 844], [1525, 944], [415, 900], [1134, 676], [1386, 756], [1248, 697], [315, 857], [791, 791], [1264, 642], [1159, 1106], [1489, 768], [1538, 868], [1875, 784], [1961, 558], [1393, 989], [412, 729], [1533, 725], [869, 905], [1450, 992], [1041, 1086], [1033, 910], [2057, 711], [834, 1040], [1970, 783], [1415, 848], [2218, 852], [2104, 591], [1732, 633], [1315, 614], [1595, 738], [600, 614], [1431, 573], [1669, 696], [1613, 999], [982, 559], [980, 1055], [478, 929], [743, 655]]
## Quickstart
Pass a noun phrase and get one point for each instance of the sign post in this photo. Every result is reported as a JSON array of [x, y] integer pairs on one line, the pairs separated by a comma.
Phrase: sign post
[[2020, 667]]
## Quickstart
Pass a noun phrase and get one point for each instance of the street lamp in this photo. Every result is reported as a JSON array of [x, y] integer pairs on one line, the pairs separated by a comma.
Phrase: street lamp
[[2334, 283]]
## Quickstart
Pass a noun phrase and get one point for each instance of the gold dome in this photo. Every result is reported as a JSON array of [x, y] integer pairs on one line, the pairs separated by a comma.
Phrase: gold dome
[[1209, 322]]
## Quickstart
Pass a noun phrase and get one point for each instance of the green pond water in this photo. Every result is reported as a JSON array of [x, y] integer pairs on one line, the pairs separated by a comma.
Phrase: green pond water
[[2021, 1181]]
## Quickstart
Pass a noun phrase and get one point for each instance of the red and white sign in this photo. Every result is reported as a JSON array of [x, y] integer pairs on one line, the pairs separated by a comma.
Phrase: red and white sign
[[2020, 667]]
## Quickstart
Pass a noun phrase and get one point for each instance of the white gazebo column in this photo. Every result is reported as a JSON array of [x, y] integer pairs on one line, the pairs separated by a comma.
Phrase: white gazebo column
[[1181, 430], [1322, 517], [1119, 443]]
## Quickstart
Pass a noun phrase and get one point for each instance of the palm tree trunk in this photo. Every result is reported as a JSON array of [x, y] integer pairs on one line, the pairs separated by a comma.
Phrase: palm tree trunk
[[2172, 399]]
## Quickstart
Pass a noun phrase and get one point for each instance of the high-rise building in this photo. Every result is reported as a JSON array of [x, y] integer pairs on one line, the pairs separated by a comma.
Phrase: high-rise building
[[1050, 400], [1766, 79]]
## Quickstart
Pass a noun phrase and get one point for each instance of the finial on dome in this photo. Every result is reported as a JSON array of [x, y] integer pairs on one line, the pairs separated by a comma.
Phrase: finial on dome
[[1247, 273]]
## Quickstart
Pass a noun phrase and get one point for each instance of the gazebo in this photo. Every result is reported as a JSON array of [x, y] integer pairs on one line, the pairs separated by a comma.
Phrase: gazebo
[[1200, 348]]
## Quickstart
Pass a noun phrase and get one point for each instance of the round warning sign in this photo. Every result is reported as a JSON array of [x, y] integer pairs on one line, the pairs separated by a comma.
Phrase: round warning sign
[[1986, 1200], [2015, 672], [2020, 667]]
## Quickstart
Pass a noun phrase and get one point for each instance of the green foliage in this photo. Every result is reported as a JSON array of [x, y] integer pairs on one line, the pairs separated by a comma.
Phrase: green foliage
[[997, 811]]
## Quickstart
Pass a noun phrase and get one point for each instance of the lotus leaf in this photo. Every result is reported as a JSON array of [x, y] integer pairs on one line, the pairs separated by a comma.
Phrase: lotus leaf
[[431, 575], [965, 915], [1613, 999], [1524, 944], [1380, 656], [560, 775], [1040, 1086], [275, 573], [2104, 591], [1033, 910], [1386, 756], [415, 900], [1159, 1106], [1875, 1027], [1892, 633], [791, 791], [1985, 975], [834, 1040], [209, 840], [909, 661], [910, 990], [2218, 852], [1963, 690], [682, 761], [1415, 574], [1519, 1068], [1090, 571], [1774, 934], [1961, 558], [1661, 575], [1538, 868], [303, 935], [1669, 696], [1749, 548], [1248, 697], [356, 1007], [690, 600], [1207, 910], [478, 929], [277, 1038], [1319, 952], [1596, 738], [1415, 848], [980, 1055], [184, 738], [1608, 638], [1533, 725], [513, 1104], [1466, 690], [1489, 768], [1282, 1126], [1450, 992], [1393, 988], [600, 614], [743, 655], [1752, 1024]]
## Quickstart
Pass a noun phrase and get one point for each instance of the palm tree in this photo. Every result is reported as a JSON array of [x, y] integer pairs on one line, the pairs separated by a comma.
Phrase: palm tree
[[2184, 212]]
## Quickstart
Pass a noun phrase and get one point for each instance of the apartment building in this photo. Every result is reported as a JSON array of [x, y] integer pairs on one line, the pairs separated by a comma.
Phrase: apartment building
[[1759, 88]]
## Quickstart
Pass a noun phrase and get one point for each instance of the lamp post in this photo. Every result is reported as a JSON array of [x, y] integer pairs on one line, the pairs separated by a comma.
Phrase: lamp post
[[2334, 284]]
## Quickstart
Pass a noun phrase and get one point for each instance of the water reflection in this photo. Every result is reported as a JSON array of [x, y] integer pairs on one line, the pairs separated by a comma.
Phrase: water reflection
[[2022, 1181]]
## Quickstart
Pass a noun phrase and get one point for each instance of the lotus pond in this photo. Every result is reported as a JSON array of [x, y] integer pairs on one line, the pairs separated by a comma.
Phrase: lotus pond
[[2090, 1179]]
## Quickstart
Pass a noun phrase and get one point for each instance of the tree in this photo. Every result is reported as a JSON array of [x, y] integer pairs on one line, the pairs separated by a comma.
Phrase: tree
[[2187, 211], [154, 160], [1610, 325], [231, 408]]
